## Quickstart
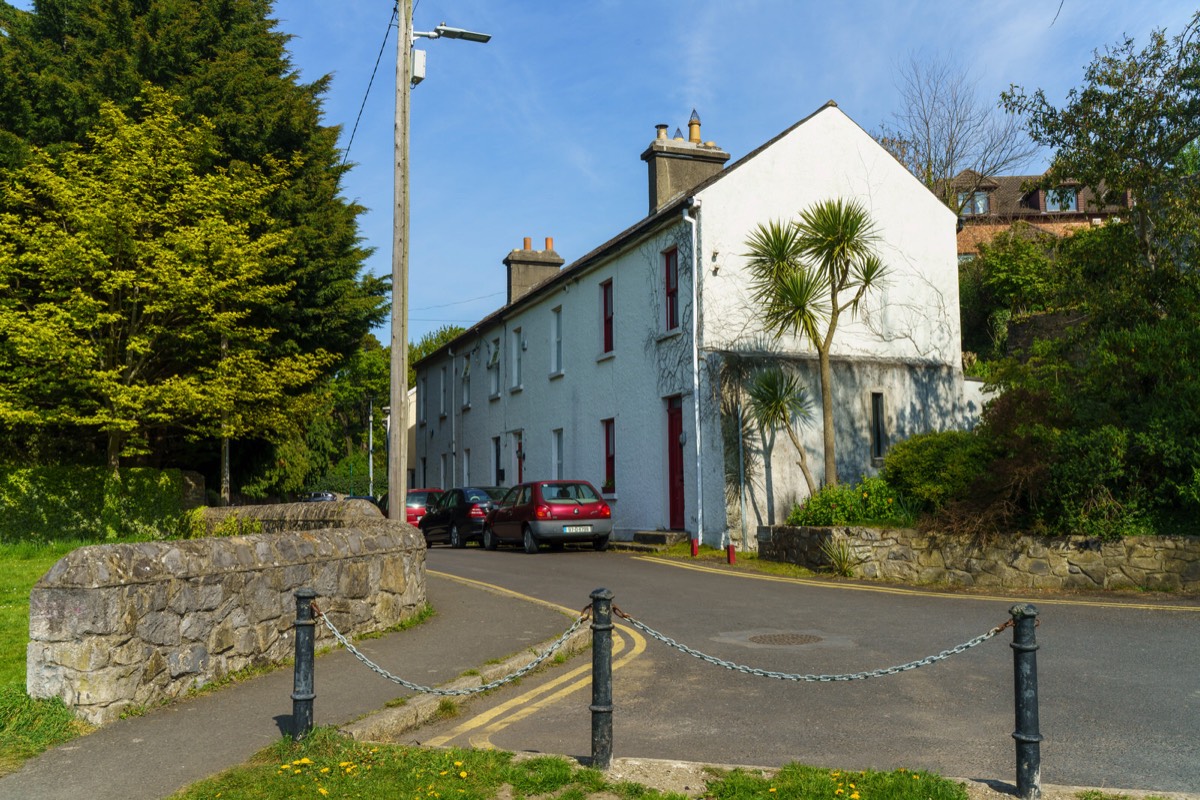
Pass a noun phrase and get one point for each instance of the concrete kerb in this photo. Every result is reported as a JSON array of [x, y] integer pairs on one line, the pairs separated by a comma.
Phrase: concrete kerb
[[387, 724]]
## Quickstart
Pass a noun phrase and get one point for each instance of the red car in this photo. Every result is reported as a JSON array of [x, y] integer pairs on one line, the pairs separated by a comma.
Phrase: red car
[[418, 502], [552, 512]]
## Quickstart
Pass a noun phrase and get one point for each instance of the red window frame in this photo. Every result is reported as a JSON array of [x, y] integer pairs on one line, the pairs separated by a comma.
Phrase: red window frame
[[610, 454], [606, 310], [671, 287]]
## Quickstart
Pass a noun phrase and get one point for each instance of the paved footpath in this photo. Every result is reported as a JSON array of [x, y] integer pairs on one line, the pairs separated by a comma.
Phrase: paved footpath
[[156, 754]]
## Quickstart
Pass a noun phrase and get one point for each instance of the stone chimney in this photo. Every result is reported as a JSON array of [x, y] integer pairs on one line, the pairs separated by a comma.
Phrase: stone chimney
[[678, 165], [528, 267]]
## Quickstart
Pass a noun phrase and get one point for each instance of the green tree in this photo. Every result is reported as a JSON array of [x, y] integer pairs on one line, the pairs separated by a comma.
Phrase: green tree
[[1129, 130], [806, 275], [227, 64], [130, 284], [779, 400]]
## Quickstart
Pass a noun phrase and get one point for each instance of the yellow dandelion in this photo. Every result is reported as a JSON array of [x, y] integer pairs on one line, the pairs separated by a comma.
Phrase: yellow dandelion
[[295, 772], [344, 764], [305, 760], [839, 791], [916, 777], [852, 786], [854, 796], [771, 789], [462, 774], [324, 770], [323, 790], [443, 772], [458, 763]]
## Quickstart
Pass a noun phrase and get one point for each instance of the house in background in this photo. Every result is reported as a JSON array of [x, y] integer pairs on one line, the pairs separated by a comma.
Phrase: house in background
[[613, 368], [991, 205]]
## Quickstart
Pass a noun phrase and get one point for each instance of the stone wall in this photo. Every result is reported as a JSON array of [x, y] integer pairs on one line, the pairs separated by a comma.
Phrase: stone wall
[[125, 625], [277, 517], [1020, 562]]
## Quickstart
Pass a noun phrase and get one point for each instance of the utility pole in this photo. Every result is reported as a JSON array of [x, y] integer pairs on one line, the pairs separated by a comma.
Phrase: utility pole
[[398, 430]]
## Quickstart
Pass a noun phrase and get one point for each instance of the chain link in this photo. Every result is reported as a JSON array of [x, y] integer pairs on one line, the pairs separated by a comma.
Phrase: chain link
[[785, 676], [525, 670]]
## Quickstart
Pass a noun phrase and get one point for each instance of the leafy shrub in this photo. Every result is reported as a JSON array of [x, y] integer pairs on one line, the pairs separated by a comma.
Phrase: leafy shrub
[[1093, 489], [932, 468], [871, 501], [42, 504]]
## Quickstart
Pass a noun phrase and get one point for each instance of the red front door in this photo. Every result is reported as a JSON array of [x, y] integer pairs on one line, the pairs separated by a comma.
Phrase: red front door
[[675, 462]]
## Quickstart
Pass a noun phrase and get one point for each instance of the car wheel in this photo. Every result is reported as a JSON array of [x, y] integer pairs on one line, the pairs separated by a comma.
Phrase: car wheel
[[600, 544], [489, 539], [531, 545], [456, 540]]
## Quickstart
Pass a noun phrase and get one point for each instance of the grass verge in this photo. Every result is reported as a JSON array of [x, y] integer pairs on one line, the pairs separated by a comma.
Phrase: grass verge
[[27, 726], [326, 764], [748, 561]]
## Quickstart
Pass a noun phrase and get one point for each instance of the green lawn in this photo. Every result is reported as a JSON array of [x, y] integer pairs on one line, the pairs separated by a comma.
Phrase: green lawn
[[327, 764], [27, 727]]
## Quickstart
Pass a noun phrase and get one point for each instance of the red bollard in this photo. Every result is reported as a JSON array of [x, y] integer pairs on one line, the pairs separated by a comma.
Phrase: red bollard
[[730, 554], [695, 547]]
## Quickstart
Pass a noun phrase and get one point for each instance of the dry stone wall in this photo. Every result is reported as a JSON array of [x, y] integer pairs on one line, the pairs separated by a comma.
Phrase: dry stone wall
[[118, 626], [1019, 562]]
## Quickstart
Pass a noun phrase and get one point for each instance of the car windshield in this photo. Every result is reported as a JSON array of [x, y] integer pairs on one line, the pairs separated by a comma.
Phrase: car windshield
[[482, 494], [568, 493]]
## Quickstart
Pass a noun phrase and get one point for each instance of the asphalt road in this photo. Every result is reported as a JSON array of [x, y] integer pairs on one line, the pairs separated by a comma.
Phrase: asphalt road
[[1119, 684]]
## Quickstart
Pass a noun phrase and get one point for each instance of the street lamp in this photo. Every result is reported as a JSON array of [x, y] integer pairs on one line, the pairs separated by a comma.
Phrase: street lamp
[[398, 431]]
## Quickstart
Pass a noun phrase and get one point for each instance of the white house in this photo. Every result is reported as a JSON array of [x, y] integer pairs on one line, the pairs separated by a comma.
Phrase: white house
[[594, 370]]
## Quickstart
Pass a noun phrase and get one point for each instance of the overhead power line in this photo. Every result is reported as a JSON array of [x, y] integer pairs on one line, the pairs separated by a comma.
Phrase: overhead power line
[[386, 35]]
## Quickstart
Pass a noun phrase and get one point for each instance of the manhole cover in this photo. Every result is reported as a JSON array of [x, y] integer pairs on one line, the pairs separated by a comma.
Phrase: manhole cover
[[785, 639]]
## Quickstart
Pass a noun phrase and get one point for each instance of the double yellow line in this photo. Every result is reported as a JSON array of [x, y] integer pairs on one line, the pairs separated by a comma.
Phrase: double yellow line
[[479, 729]]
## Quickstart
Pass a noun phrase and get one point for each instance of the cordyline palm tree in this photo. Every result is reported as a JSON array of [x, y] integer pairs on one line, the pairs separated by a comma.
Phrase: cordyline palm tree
[[806, 274], [778, 400]]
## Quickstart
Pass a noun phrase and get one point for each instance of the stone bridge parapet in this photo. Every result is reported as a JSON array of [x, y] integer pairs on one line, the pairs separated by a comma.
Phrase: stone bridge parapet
[[121, 626]]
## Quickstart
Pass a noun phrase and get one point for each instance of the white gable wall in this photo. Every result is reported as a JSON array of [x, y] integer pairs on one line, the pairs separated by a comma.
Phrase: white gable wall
[[905, 342]]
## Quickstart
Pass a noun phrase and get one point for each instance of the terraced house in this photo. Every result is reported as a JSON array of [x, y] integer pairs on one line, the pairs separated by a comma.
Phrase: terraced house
[[616, 368]]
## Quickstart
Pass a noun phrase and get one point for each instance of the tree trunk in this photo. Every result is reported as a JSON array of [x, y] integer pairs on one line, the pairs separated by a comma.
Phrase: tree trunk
[[226, 489], [831, 478], [803, 462]]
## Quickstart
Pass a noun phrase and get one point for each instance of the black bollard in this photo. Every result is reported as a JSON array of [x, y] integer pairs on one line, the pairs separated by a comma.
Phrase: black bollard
[[1025, 693], [302, 691], [602, 627]]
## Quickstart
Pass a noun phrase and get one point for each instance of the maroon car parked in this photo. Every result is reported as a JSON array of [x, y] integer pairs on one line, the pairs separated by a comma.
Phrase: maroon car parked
[[550, 512]]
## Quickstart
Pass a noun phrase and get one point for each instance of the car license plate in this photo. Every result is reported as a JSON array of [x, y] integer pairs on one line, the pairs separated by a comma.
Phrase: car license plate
[[577, 528]]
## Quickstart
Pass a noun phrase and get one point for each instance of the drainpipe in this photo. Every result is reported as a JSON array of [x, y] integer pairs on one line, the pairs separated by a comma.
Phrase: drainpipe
[[449, 398], [694, 203]]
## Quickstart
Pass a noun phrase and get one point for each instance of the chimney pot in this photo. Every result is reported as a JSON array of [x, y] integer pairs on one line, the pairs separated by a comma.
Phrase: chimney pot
[[528, 243], [694, 128], [661, 129], [549, 243]]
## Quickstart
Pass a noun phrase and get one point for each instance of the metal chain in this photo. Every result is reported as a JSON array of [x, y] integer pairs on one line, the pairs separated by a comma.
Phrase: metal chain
[[784, 676], [525, 670]]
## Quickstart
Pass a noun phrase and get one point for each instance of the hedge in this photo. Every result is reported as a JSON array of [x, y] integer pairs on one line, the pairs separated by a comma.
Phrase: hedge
[[42, 504]]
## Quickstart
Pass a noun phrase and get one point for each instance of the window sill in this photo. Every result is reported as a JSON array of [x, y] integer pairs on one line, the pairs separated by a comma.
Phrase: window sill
[[442, 416], [611, 354], [556, 375], [494, 396], [465, 407], [671, 334], [516, 389]]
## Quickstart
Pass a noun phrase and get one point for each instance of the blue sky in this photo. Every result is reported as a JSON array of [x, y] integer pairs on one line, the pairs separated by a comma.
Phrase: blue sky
[[538, 133]]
